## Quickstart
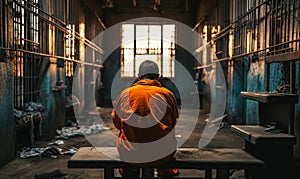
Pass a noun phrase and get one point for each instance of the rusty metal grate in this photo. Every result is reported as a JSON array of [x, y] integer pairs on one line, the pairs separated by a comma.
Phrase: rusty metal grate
[[26, 38]]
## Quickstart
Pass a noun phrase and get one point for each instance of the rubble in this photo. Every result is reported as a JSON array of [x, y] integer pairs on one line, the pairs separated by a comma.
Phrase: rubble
[[67, 132], [47, 152]]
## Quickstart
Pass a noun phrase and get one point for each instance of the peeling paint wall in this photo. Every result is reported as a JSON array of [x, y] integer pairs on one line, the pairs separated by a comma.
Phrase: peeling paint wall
[[275, 76], [7, 129], [255, 83], [236, 110]]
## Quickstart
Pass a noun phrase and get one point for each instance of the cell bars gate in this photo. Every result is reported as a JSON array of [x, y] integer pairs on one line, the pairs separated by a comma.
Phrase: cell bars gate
[[26, 41]]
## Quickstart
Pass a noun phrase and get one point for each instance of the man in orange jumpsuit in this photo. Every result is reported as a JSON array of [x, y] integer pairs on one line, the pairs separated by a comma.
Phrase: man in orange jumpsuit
[[146, 114]]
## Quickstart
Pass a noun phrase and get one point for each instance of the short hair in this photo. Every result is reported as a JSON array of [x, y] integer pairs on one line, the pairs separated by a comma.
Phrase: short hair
[[148, 69]]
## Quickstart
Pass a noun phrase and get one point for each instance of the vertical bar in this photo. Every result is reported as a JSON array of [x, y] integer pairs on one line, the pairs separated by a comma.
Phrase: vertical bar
[[21, 79], [285, 22], [288, 22], [275, 19], [134, 49], [15, 78], [148, 173], [30, 76], [208, 173], [272, 28], [222, 174], [108, 173], [266, 24], [293, 25], [281, 27], [258, 26], [161, 50]]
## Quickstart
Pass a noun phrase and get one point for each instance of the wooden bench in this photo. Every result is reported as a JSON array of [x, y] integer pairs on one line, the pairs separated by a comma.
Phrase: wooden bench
[[186, 158]]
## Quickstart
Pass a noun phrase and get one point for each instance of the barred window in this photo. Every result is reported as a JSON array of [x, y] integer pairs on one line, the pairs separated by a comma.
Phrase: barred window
[[147, 42], [26, 41]]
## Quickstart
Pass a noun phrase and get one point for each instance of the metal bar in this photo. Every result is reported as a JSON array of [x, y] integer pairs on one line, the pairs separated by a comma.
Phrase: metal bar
[[288, 20], [27, 93], [65, 30], [208, 173], [281, 27], [275, 22], [41, 10], [250, 11], [59, 57], [134, 46], [148, 173], [161, 50], [100, 21], [199, 23], [266, 24], [108, 173], [293, 25], [258, 28]]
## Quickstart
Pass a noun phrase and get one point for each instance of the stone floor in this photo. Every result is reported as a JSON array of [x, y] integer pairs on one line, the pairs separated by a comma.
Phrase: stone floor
[[34, 167]]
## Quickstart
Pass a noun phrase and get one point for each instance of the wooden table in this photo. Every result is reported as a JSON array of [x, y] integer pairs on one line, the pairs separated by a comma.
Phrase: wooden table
[[275, 149]]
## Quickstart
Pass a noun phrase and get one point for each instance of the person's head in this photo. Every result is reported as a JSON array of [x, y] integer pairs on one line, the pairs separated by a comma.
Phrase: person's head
[[148, 70]]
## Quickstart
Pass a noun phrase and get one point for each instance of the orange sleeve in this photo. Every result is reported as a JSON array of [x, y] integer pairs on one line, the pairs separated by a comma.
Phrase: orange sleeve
[[116, 119], [173, 109]]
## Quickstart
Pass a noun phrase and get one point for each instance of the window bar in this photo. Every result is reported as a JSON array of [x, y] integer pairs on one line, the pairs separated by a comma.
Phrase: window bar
[[285, 11], [293, 26], [134, 52], [258, 27], [21, 80], [280, 35], [288, 22], [275, 19], [266, 25], [161, 49]]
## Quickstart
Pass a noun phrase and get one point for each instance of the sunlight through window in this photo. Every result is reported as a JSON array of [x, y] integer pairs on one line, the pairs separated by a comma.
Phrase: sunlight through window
[[147, 42]]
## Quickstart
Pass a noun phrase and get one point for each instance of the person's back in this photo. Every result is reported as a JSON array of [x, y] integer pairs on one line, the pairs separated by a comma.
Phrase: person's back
[[146, 115]]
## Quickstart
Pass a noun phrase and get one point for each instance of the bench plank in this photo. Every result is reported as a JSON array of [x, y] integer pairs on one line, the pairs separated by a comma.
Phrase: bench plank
[[186, 158]]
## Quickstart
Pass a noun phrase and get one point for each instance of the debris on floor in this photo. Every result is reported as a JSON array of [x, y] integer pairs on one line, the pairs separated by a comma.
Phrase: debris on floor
[[57, 174], [67, 132], [30, 110], [51, 151], [216, 122], [58, 143]]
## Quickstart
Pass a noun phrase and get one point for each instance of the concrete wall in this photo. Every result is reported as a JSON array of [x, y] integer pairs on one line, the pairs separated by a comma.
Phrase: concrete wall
[[7, 129], [255, 83]]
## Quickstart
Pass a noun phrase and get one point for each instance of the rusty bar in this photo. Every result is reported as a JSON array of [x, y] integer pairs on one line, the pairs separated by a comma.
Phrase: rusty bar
[[275, 23], [293, 22], [288, 21], [266, 24]]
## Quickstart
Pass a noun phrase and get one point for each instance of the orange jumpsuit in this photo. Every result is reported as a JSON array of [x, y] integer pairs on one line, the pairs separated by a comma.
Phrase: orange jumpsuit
[[146, 113]]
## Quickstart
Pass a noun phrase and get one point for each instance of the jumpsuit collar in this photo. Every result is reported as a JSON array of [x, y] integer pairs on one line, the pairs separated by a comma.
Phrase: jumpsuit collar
[[148, 82]]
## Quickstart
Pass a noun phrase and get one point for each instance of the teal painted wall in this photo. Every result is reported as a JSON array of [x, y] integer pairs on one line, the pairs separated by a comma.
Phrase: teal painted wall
[[255, 83], [7, 129]]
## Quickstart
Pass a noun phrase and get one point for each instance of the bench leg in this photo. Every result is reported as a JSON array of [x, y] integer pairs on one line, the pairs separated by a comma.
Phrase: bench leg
[[208, 174], [147, 173], [108, 173], [222, 174]]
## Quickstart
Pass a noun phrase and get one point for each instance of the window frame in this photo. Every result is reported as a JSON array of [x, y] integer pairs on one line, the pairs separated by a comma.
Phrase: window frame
[[172, 50]]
